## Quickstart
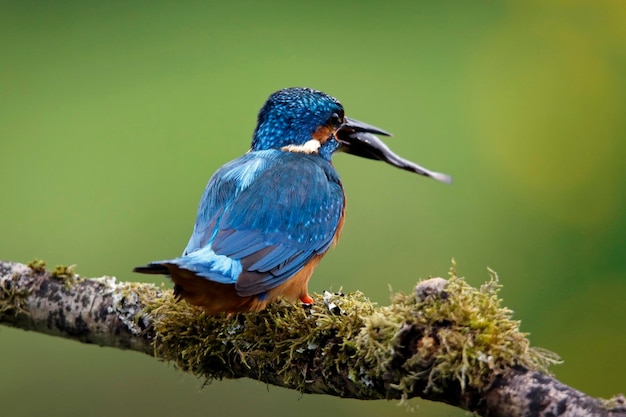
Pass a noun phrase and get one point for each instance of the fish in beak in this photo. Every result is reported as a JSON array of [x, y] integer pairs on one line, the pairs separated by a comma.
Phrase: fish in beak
[[357, 138]]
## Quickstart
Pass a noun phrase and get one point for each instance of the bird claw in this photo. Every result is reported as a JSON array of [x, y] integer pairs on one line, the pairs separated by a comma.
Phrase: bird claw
[[307, 299]]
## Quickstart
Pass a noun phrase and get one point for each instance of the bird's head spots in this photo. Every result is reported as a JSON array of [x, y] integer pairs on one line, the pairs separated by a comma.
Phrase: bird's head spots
[[299, 119]]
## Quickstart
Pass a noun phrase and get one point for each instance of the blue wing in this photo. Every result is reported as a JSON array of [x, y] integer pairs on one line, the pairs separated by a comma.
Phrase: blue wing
[[262, 218]]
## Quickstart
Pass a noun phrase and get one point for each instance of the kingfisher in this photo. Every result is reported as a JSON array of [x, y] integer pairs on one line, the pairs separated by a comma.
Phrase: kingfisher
[[266, 219]]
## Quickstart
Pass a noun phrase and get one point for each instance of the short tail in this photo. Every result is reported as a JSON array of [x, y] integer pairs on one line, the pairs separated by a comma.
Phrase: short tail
[[159, 269], [152, 268]]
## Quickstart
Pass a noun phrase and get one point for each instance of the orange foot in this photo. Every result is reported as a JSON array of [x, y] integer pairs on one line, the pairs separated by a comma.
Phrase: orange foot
[[306, 299]]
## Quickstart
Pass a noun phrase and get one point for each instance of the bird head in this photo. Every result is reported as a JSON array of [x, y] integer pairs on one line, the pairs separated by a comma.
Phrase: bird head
[[299, 119], [310, 121]]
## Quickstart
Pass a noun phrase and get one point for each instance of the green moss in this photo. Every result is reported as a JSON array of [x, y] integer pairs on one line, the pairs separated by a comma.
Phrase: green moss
[[460, 335], [12, 299], [65, 274], [279, 342], [468, 336], [37, 265]]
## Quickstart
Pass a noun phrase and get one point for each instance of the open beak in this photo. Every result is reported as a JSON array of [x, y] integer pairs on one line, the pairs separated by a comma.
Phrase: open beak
[[357, 138]]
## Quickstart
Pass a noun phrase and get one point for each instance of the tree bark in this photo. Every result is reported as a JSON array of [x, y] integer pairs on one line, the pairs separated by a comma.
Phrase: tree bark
[[445, 342]]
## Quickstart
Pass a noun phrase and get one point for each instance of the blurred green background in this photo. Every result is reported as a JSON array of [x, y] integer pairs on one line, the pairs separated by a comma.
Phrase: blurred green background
[[113, 115]]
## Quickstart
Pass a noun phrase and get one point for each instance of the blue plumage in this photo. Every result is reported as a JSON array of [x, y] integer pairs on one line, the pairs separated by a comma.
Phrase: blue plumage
[[266, 218], [286, 208]]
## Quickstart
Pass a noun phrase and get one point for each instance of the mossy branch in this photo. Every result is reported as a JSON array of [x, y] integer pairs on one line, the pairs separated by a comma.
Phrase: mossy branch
[[445, 342]]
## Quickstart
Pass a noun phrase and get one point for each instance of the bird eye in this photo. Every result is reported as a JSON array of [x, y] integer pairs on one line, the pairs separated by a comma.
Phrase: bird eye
[[335, 119]]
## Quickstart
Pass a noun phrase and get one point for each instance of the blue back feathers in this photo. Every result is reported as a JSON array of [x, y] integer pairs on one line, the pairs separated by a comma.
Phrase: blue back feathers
[[265, 215]]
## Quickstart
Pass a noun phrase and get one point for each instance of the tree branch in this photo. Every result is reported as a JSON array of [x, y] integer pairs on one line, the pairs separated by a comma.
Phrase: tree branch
[[445, 342]]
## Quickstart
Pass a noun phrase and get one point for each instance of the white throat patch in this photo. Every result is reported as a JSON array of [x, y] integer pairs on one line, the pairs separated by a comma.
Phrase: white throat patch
[[310, 146]]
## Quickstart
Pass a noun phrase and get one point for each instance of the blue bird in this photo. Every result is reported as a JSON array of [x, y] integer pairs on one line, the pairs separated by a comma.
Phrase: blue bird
[[266, 219]]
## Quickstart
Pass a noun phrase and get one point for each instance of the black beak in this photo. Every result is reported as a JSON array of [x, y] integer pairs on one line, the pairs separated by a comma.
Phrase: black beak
[[357, 138]]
